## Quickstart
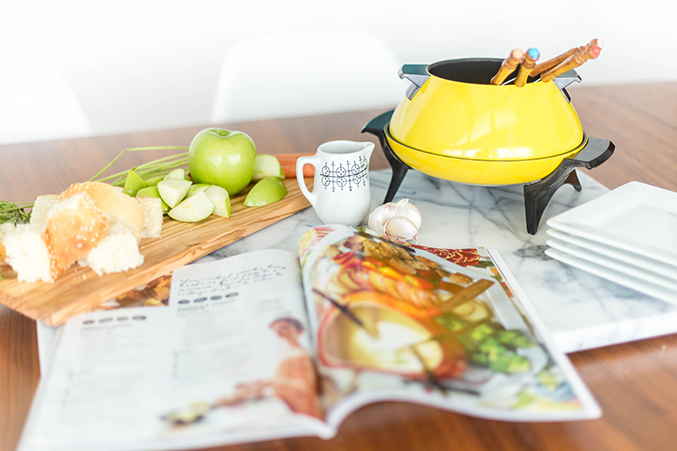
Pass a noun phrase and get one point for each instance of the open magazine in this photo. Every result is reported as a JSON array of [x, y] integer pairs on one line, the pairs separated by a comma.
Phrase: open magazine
[[269, 344]]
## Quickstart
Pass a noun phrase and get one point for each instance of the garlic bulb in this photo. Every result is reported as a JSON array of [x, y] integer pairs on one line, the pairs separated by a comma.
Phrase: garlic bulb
[[401, 227], [396, 219]]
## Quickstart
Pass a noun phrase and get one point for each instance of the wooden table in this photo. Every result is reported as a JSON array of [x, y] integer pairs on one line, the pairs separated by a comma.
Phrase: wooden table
[[635, 383]]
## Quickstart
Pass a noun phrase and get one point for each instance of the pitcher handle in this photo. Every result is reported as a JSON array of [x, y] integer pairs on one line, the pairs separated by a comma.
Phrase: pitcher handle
[[300, 162]]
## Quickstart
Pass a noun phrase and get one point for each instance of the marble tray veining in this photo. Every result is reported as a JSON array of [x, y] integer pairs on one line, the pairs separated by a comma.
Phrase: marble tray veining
[[581, 310]]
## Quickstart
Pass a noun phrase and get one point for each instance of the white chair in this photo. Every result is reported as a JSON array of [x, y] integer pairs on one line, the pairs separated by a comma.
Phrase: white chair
[[305, 73], [37, 104]]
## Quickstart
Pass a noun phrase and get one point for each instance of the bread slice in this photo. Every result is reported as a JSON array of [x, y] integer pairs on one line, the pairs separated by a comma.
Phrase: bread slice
[[152, 216], [74, 227], [41, 208], [118, 251], [27, 253], [116, 206]]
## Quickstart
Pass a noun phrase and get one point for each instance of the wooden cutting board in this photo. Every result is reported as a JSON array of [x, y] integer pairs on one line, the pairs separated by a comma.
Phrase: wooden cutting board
[[80, 289]]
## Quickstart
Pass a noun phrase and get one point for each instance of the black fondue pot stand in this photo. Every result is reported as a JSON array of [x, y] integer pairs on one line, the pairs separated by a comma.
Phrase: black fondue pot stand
[[536, 194]]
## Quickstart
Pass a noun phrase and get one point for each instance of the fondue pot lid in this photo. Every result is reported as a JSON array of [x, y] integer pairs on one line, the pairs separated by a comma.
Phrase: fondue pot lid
[[454, 111]]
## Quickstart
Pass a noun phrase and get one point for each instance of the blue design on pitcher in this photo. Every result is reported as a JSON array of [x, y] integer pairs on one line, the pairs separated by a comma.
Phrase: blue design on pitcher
[[351, 175]]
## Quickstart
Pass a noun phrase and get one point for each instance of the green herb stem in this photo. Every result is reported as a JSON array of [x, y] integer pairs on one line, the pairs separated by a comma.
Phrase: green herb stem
[[15, 212], [134, 149]]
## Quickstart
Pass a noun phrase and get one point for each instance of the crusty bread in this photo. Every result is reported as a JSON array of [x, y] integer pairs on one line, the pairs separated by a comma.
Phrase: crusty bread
[[74, 227], [116, 206], [152, 216], [41, 208], [118, 251], [27, 253], [5, 229], [92, 223]]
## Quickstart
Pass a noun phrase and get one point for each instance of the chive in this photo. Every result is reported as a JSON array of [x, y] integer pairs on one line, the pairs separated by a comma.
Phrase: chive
[[136, 149], [15, 212]]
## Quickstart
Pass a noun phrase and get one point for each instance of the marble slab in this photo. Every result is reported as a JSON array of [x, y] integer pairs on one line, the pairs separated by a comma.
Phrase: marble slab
[[581, 310]]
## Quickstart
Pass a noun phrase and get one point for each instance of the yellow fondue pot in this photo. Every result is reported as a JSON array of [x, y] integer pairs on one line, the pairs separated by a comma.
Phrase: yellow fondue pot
[[456, 126]]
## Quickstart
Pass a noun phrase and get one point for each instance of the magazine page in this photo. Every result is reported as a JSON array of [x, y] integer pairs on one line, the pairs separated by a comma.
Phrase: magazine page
[[227, 360], [393, 321], [152, 294]]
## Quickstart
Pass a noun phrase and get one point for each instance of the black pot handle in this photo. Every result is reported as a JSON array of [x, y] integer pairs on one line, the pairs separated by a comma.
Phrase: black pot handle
[[564, 80], [417, 74]]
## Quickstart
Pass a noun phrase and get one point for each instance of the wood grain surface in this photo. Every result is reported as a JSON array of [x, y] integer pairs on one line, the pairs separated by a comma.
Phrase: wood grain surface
[[80, 289], [635, 383]]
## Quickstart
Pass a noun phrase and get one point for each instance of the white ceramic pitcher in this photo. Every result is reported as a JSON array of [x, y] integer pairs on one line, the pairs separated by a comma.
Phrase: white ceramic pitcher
[[341, 192]]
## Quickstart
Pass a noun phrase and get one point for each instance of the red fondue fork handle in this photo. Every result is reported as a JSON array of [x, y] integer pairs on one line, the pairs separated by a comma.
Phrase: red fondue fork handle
[[572, 62], [549, 64]]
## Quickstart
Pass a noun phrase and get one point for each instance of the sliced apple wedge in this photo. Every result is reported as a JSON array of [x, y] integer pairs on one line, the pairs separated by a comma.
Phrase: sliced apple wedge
[[266, 165], [173, 191], [133, 183], [176, 174], [193, 209], [195, 187], [153, 191], [221, 200], [153, 181], [265, 192]]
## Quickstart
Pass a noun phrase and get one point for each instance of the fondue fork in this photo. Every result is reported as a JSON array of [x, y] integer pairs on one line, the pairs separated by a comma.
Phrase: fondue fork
[[507, 66], [549, 64], [572, 62], [466, 294], [528, 64]]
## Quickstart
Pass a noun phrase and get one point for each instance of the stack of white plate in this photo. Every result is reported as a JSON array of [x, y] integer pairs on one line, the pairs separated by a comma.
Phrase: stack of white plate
[[628, 236]]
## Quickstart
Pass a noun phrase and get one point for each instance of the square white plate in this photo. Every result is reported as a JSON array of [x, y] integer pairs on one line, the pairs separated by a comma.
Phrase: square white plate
[[617, 265], [630, 258], [635, 217], [635, 283]]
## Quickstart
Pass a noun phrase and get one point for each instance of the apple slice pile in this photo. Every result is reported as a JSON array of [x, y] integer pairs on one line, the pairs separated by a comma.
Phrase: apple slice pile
[[185, 201]]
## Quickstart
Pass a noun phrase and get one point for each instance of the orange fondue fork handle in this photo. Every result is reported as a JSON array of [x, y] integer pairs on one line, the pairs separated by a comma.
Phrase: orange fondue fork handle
[[507, 66], [549, 64], [572, 62], [530, 58]]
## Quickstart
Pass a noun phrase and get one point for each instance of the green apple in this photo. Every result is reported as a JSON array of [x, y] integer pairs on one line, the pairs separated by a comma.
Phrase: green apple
[[266, 191], [267, 165], [133, 183], [173, 191], [221, 157], [153, 191], [220, 199], [193, 209]]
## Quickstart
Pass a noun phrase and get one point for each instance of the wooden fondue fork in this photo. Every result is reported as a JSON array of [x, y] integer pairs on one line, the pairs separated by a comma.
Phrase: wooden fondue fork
[[572, 62], [549, 64], [528, 64], [508, 65]]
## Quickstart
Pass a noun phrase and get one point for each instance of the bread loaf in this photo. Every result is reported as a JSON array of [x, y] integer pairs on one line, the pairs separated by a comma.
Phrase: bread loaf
[[118, 251], [5, 229], [92, 223], [41, 208], [27, 253], [116, 206], [74, 226], [152, 216]]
